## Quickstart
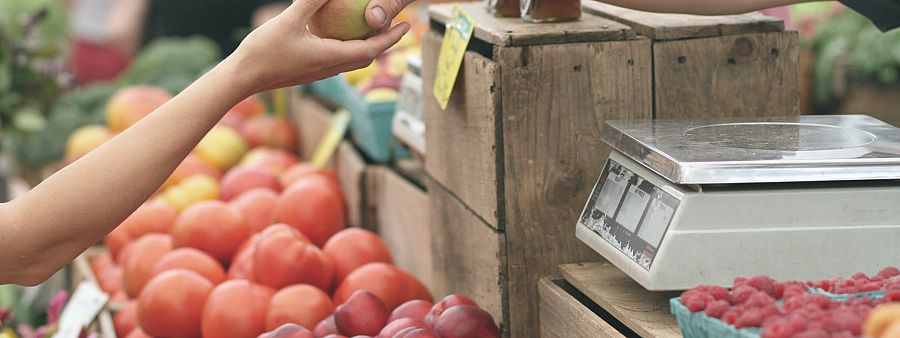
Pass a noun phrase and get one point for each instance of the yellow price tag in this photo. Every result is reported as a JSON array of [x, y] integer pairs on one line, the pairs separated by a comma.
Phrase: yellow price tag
[[332, 138], [456, 38]]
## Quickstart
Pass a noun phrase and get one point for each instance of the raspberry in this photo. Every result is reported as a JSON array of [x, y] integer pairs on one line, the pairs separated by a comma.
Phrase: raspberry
[[889, 272], [759, 299], [860, 275], [763, 283], [842, 334], [740, 294], [870, 286], [696, 301], [845, 289], [716, 291], [793, 291], [892, 295], [780, 328], [731, 315], [750, 318], [738, 281], [717, 308], [821, 301], [812, 333]]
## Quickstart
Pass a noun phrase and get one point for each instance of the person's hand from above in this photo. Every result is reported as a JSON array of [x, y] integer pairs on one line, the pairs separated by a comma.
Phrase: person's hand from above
[[379, 13], [282, 52]]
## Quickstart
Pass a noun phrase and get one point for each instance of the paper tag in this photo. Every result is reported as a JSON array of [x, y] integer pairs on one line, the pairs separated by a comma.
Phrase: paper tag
[[456, 38], [332, 138], [85, 304]]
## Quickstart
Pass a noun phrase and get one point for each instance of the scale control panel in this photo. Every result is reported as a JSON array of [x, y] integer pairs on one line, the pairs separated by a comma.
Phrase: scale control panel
[[629, 212]]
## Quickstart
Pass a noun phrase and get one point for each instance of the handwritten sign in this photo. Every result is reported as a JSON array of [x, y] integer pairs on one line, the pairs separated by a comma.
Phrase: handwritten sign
[[456, 38]]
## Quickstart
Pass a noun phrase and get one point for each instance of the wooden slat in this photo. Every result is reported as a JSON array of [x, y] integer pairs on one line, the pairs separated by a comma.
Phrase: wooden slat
[[661, 26], [312, 120], [404, 225], [467, 254], [646, 313], [515, 32], [555, 99], [462, 140], [351, 168], [737, 75], [564, 316]]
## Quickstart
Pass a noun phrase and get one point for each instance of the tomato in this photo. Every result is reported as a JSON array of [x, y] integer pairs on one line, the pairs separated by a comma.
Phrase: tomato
[[141, 261], [354, 247], [284, 257], [116, 240], [301, 304], [299, 171], [393, 285], [313, 207], [258, 208], [193, 260], [241, 179], [213, 227], [125, 320], [236, 309], [171, 305], [151, 217]]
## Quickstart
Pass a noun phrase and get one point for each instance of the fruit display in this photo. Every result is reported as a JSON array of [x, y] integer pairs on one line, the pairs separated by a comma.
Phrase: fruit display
[[244, 239], [798, 309]]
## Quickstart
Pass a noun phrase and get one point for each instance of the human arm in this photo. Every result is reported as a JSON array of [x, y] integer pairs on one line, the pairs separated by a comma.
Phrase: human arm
[[701, 7], [50, 225]]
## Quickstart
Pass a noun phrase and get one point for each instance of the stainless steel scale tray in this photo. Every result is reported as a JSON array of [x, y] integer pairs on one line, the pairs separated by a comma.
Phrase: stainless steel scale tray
[[761, 150]]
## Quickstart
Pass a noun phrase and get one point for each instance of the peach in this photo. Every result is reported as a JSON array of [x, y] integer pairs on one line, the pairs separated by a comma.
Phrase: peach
[[222, 147], [341, 20], [84, 140], [465, 321], [444, 305], [190, 166], [242, 179], [130, 104], [258, 208], [415, 309], [276, 161], [363, 314]]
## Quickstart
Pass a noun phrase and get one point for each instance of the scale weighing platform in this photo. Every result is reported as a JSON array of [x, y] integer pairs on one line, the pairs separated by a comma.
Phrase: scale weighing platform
[[687, 202]]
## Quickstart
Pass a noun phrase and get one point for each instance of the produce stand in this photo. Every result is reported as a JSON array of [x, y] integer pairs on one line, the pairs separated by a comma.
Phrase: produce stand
[[520, 139]]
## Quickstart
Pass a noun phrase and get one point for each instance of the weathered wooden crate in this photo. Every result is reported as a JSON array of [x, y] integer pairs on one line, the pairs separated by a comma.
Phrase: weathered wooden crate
[[515, 154], [722, 66], [402, 221]]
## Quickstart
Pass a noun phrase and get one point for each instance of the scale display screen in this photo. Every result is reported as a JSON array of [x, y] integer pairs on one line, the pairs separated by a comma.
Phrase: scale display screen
[[629, 212]]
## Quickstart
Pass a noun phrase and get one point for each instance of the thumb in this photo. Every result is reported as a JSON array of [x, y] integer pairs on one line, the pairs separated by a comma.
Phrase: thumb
[[380, 13]]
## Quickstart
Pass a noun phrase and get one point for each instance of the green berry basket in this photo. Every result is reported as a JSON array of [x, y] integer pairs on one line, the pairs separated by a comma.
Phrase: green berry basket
[[699, 325], [841, 297], [370, 122]]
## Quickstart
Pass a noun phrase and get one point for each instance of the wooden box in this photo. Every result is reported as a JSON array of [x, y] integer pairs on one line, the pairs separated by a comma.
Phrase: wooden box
[[597, 299], [516, 152], [722, 66], [402, 220]]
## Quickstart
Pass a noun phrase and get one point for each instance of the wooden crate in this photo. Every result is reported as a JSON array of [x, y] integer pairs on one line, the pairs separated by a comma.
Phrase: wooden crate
[[504, 152], [519, 145], [721, 66], [597, 299], [402, 220], [312, 119]]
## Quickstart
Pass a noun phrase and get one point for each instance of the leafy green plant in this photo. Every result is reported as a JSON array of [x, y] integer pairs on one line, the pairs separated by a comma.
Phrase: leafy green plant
[[873, 56]]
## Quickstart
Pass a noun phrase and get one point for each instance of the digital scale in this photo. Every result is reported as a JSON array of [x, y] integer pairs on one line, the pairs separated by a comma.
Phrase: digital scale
[[687, 202]]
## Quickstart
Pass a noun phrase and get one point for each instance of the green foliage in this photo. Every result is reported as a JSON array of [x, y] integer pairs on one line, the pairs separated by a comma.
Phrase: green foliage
[[172, 63], [874, 56]]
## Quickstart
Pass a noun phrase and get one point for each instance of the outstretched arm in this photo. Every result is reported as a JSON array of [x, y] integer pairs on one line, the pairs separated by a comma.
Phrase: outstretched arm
[[53, 223], [701, 7]]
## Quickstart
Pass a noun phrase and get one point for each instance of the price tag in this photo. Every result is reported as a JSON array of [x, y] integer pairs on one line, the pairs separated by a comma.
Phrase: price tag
[[85, 304], [456, 38], [332, 138]]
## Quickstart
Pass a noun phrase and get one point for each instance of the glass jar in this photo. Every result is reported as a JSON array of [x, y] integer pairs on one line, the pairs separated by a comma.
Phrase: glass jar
[[550, 10], [505, 8]]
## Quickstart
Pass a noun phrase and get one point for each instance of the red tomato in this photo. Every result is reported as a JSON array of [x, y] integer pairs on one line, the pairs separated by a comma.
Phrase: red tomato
[[284, 257], [213, 227], [193, 260], [312, 207], [354, 247], [393, 285], [171, 305], [236, 309], [301, 304], [141, 261]]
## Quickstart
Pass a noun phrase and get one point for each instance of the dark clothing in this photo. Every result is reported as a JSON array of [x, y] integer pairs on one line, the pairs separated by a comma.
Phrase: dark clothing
[[884, 13], [224, 21]]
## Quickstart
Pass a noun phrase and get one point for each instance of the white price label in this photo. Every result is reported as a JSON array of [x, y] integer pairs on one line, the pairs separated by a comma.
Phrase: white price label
[[656, 222], [611, 194], [85, 304]]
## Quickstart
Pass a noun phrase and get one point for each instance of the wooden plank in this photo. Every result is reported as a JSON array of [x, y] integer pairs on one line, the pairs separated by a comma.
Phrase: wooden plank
[[664, 26], [646, 313], [312, 120], [737, 75], [467, 254], [404, 225], [351, 168], [555, 99], [515, 32], [564, 316], [462, 140]]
